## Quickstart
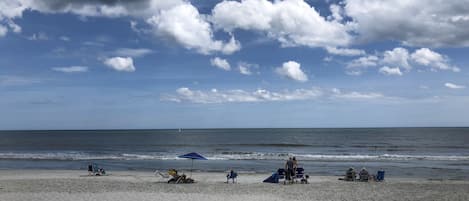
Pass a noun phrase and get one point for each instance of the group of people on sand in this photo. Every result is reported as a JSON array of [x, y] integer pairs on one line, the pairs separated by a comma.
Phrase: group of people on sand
[[292, 169], [93, 170], [363, 175]]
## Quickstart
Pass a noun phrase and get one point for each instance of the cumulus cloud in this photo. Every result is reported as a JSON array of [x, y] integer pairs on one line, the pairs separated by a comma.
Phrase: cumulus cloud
[[390, 71], [185, 94], [400, 58], [292, 70], [38, 36], [345, 51], [433, 23], [359, 65], [246, 68], [220, 63], [177, 20], [238, 95], [454, 86], [185, 25], [3, 31], [434, 60], [292, 23], [397, 57], [132, 52], [337, 93], [125, 64], [71, 69]]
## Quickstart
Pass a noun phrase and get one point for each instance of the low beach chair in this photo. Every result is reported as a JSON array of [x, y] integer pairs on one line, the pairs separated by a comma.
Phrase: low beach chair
[[165, 176], [350, 175], [380, 175], [363, 175], [232, 175], [281, 173], [178, 179], [299, 174]]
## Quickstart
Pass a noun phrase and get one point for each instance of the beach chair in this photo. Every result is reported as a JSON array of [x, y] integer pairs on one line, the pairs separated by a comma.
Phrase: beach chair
[[350, 175], [299, 174], [178, 179], [165, 176], [281, 173], [363, 175], [232, 175], [380, 175]]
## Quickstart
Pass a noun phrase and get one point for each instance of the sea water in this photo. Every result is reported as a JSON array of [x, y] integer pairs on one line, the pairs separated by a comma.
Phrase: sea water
[[434, 153]]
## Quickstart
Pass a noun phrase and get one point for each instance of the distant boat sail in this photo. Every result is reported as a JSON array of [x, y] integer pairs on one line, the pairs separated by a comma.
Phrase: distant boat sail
[[180, 130]]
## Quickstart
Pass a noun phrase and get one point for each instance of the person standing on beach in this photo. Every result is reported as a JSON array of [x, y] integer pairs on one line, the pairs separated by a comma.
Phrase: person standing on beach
[[90, 169], [289, 167]]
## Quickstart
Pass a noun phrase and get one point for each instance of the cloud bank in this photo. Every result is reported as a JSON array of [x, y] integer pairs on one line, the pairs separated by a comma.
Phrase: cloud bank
[[185, 94]]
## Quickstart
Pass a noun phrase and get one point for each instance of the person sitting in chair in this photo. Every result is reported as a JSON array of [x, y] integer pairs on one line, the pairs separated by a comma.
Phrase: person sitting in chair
[[232, 175], [350, 174], [363, 175]]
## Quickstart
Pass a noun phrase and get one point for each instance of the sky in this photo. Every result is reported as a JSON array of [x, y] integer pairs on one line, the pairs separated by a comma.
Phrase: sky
[[144, 64]]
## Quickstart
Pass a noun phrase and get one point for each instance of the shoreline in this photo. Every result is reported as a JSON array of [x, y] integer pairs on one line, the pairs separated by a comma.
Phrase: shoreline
[[7, 173], [55, 185]]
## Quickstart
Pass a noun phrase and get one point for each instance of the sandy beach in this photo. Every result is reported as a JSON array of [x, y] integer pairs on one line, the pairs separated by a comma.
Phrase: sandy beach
[[52, 185]]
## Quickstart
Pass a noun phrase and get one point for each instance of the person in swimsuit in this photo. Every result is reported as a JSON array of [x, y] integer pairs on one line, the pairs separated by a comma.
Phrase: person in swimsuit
[[289, 169], [90, 169]]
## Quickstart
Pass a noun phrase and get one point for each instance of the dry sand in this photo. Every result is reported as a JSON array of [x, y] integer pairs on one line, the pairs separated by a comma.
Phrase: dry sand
[[51, 185]]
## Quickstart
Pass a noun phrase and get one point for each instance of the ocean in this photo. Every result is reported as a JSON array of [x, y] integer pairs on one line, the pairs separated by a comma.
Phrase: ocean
[[432, 153]]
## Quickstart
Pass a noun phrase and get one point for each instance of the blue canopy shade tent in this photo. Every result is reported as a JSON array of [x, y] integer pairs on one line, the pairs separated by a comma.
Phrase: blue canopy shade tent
[[193, 156]]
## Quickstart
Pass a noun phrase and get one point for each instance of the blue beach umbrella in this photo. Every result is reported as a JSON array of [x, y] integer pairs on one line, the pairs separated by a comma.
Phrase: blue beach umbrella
[[193, 156]]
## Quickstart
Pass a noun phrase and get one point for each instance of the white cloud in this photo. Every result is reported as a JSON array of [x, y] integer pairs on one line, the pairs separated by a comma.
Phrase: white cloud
[[397, 57], [434, 60], [177, 20], [38, 36], [64, 38], [292, 70], [345, 51], [120, 63], [400, 58], [359, 65], [292, 23], [260, 95], [454, 86], [390, 71], [185, 25], [432, 23], [132, 52], [10, 80], [13, 26], [337, 93], [220, 63], [184, 94], [3, 30], [246, 68], [71, 69]]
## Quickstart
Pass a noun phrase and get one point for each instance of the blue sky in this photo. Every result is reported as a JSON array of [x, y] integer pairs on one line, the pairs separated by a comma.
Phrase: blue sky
[[211, 64]]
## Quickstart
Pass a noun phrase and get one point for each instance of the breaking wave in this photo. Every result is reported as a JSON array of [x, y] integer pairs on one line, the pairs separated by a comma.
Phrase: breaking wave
[[225, 156]]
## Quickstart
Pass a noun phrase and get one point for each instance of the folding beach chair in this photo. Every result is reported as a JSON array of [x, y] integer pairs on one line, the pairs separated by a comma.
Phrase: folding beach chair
[[299, 174], [281, 173], [380, 175], [232, 175]]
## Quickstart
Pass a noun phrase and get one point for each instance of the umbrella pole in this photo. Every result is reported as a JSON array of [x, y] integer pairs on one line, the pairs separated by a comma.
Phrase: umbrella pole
[[192, 166]]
